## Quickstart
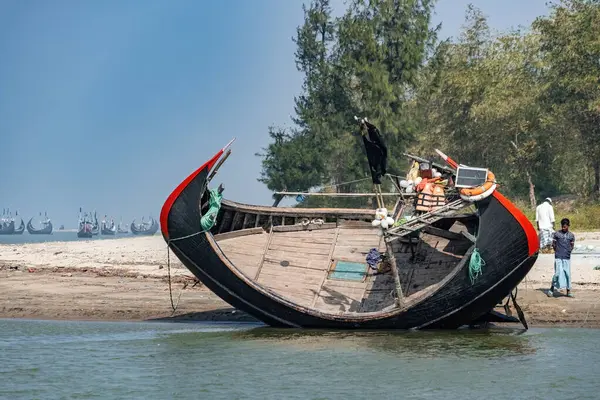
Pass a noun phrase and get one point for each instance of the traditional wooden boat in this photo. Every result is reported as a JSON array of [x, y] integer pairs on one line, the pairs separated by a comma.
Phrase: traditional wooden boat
[[122, 228], [148, 228], [85, 230], [7, 227], [20, 229], [302, 267], [95, 225], [45, 230], [108, 227], [85, 226]]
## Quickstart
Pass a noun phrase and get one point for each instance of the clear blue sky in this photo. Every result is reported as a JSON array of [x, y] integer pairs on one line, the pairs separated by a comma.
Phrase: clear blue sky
[[109, 104]]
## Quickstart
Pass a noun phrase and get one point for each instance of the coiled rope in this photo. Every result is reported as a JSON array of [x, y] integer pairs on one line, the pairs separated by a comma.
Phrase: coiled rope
[[475, 265]]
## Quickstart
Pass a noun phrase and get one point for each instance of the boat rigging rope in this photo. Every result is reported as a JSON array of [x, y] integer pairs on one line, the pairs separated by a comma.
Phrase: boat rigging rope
[[207, 221], [173, 306], [475, 264], [345, 183], [518, 308]]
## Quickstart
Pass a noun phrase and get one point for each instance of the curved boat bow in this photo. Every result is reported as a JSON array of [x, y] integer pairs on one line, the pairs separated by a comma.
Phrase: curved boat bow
[[20, 229], [46, 230], [142, 230]]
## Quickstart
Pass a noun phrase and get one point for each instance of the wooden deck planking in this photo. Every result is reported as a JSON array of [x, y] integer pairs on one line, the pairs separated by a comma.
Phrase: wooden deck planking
[[348, 293], [245, 252], [287, 244], [306, 256], [336, 295], [320, 265], [308, 250], [338, 299], [302, 241], [298, 281], [303, 291]]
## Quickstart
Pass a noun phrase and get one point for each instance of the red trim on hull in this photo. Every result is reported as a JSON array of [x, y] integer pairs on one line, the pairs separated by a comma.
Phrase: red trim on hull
[[164, 212], [532, 237]]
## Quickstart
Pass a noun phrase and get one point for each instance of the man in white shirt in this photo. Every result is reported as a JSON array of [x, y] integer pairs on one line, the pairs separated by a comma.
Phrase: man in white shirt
[[544, 216]]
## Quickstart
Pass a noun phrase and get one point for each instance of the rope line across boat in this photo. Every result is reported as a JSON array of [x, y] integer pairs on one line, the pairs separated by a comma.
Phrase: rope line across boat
[[207, 221]]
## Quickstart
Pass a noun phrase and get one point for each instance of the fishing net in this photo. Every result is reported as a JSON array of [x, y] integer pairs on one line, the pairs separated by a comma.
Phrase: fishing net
[[209, 219]]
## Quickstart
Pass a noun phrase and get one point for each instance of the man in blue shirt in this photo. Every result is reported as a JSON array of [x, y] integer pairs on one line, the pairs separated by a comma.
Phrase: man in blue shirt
[[563, 242]]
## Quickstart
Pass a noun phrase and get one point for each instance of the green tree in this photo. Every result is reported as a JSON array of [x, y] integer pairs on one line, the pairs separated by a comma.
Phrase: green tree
[[365, 63], [570, 41], [481, 103], [294, 159]]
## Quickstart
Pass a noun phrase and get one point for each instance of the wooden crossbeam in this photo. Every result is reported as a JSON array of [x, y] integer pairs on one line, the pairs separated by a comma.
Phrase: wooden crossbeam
[[342, 194]]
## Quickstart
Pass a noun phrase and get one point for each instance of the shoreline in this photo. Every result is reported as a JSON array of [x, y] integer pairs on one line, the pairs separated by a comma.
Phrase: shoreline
[[126, 279]]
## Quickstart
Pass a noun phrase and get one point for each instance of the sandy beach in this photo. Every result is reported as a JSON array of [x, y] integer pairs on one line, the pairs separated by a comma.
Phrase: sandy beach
[[126, 279]]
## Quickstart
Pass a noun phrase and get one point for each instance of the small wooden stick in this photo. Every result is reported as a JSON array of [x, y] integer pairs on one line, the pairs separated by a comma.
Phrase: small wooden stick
[[216, 168]]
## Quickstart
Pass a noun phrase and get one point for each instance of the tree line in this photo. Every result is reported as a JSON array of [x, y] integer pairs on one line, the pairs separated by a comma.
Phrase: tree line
[[525, 103]]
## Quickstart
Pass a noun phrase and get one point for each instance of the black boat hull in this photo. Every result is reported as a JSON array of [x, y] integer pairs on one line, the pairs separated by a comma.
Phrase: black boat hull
[[8, 229], [85, 231], [145, 232], [47, 230], [506, 240], [108, 232], [20, 229]]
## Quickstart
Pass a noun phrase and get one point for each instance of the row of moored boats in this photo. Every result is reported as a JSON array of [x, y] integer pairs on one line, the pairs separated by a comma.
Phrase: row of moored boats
[[14, 225], [89, 226]]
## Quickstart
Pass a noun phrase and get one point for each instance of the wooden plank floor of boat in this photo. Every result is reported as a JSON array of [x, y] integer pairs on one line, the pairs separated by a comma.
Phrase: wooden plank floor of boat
[[297, 265]]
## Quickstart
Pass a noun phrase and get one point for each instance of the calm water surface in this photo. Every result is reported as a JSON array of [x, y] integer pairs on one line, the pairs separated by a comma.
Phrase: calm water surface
[[90, 360], [56, 236]]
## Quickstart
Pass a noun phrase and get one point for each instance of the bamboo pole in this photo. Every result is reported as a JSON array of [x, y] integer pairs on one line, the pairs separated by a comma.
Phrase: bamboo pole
[[339, 194]]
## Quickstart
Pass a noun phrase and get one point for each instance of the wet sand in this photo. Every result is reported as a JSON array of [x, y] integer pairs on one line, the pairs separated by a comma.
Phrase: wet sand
[[126, 279]]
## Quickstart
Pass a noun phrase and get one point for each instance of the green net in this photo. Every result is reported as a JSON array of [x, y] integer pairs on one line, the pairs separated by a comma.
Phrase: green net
[[214, 205], [475, 264]]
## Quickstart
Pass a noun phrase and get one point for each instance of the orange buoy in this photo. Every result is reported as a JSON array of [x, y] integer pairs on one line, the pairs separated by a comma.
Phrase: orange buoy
[[490, 181]]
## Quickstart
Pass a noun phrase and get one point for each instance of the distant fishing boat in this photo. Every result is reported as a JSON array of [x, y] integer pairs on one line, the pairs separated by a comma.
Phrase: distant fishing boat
[[145, 228], [46, 226], [108, 227], [7, 227], [85, 226], [95, 225], [7, 223], [122, 228], [20, 229]]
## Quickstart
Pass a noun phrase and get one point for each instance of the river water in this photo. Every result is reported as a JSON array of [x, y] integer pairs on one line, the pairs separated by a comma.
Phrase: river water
[[56, 236], [110, 360]]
